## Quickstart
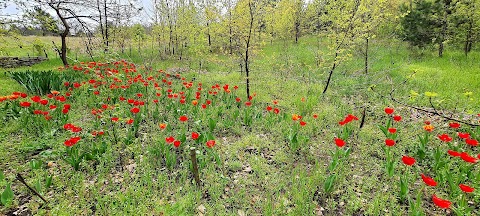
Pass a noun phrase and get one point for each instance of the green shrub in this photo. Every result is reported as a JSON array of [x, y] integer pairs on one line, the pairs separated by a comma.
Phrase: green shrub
[[41, 82]]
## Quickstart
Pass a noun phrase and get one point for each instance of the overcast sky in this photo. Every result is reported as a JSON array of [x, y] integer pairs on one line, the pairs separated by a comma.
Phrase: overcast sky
[[13, 10]]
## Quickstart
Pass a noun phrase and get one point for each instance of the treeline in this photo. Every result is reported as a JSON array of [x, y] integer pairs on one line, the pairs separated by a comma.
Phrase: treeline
[[191, 28], [441, 22]]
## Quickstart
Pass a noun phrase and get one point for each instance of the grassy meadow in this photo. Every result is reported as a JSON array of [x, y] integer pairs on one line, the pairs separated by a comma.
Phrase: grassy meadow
[[254, 169]]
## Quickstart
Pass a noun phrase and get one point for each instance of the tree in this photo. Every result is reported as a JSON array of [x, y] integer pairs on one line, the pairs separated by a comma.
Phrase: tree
[[42, 19], [465, 21], [427, 22], [109, 12], [371, 13], [444, 13], [418, 25], [66, 11], [340, 20], [246, 14]]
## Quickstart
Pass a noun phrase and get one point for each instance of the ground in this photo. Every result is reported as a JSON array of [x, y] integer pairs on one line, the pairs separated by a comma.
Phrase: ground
[[259, 171]]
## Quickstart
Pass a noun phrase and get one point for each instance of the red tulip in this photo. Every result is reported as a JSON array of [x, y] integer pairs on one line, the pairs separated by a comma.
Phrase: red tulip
[[428, 181], [176, 143], [25, 104], [114, 119], [467, 158], [454, 153], [397, 118], [36, 99], [195, 135], [169, 139], [389, 110], [210, 143], [339, 142], [409, 161], [248, 103], [276, 111], [350, 118], [269, 108], [389, 142], [454, 125], [441, 202], [183, 118], [466, 189], [445, 138], [72, 141], [76, 129], [135, 110], [463, 135], [471, 142], [68, 143], [129, 121], [392, 130], [68, 126], [302, 123]]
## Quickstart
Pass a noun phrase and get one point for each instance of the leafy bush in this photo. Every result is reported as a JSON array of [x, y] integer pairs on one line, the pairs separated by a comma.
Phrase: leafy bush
[[41, 82]]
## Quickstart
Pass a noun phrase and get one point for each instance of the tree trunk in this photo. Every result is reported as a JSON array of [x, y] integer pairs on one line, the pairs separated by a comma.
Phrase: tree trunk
[[209, 38], [63, 35], [230, 41], [331, 72], [366, 55], [101, 22], [297, 31], [247, 69], [63, 50], [468, 40], [444, 30], [106, 25]]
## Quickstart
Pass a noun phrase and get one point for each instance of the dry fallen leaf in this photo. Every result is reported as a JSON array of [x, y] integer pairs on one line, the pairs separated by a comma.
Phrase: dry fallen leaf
[[241, 213], [201, 209]]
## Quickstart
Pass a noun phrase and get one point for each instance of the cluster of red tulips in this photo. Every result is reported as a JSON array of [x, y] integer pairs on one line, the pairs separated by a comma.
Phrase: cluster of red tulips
[[432, 157]]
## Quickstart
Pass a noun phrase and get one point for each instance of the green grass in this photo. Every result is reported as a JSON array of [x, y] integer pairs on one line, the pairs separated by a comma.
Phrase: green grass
[[259, 175], [8, 85]]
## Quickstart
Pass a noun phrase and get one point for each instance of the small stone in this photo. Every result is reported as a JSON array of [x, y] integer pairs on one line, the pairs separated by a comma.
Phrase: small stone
[[51, 164]]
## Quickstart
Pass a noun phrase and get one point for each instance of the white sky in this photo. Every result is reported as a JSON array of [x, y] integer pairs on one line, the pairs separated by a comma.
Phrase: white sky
[[12, 10]]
